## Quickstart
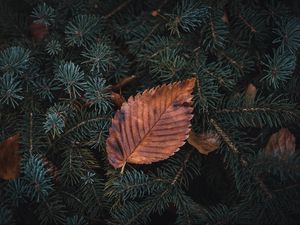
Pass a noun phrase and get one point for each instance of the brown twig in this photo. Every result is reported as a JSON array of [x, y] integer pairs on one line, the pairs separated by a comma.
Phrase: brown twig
[[162, 4], [30, 133], [263, 186], [113, 12], [251, 27], [122, 83]]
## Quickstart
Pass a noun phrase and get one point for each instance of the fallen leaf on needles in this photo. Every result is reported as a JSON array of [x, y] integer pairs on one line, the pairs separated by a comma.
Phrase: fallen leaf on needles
[[151, 126]]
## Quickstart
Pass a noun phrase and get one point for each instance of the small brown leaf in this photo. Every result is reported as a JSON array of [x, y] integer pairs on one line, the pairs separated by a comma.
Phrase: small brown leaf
[[250, 93], [151, 126], [117, 99], [9, 158], [204, 143], [154, 13], [281, 142]]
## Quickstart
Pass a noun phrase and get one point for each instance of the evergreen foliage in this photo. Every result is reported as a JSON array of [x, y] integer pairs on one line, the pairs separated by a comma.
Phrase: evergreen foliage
[[56, 92], [43, 14]]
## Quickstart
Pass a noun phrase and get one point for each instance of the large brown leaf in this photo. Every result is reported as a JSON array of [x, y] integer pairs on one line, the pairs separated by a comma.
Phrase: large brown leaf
[[9, 158], [151, 126]]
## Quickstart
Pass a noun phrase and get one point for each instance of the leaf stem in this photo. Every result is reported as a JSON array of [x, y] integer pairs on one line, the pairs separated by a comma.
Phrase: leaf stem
[[122, 169]]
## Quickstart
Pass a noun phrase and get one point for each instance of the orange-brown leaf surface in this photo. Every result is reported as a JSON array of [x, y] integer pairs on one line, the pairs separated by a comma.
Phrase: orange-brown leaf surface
[[250, 93], [151, 126], [282, 141], [9, 158], [204, 143]]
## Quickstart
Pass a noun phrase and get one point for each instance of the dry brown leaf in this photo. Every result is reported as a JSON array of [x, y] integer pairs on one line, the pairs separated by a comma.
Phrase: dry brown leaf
[[204, 143], [250, 93], [9, 158], [117, 99], [280, 142], [151, 126]]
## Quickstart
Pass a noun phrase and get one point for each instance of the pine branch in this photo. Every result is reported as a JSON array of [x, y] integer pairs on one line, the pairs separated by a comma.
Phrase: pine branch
[[263, 186], [225, 137], [180, 171], [247, 23], [232, 61], [120, 7], [199, 88], [150, 204], [253, 110], [30, 133], [82, 123]]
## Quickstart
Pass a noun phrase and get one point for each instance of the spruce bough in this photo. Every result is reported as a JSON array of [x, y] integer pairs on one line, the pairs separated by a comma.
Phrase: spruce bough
[[61, 61]]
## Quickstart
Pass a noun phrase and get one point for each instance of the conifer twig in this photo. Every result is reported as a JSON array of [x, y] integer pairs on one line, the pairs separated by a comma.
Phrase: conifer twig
[[123, 82], [263, 186], [251, 27], [30, 133], [77, 126], [179, 173], [83, 123], [232, 61], [175, 179], [224, 136], [114, 11], [162, 4], [254, 109], [198, 88]]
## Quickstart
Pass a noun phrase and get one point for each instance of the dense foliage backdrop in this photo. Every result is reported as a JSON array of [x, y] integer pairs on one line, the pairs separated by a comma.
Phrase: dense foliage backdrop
[[65, 66]]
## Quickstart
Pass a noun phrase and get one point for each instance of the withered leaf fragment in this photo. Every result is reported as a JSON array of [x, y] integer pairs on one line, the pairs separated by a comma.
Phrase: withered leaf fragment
[[281, 142], [205, 142], [250, 93], [117, 99], [9, 158], [151, 126]]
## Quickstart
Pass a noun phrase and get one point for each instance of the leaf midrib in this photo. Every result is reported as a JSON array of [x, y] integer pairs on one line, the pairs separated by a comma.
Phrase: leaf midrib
[[146, 134]]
